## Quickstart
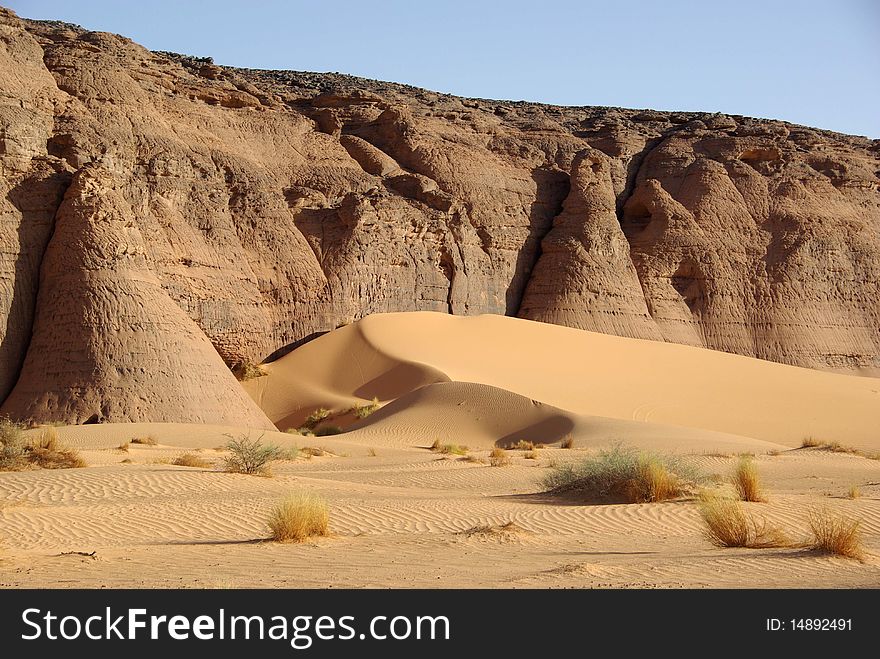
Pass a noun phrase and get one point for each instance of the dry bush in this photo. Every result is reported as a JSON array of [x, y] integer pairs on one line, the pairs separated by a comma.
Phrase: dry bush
[[250, 456], [248, 371], [316, 417], [623, 474], [498, 458], [123, 447], [449, 449], [473, 458], [727, 524], [568, 442], [746, 481], [314, 452], [47, 452], [325, 431], [299, 517], [836, 535], [191, 460], [521, 445], [149, 440], [531, 455], [810, 442], [774, 452], [12, 447], [372, 452], [363, 411], [854, 492]]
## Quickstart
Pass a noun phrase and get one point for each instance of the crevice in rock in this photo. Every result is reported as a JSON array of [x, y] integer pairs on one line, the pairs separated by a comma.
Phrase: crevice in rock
[[553, 187]]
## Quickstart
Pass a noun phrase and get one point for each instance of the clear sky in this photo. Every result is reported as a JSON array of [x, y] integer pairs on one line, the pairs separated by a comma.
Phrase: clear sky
[[806, 61]]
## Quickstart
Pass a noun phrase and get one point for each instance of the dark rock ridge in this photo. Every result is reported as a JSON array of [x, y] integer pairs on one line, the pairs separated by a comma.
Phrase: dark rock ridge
[[267, 206]]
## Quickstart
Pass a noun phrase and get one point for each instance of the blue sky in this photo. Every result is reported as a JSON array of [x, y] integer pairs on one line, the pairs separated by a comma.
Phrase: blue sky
[[809, 62]]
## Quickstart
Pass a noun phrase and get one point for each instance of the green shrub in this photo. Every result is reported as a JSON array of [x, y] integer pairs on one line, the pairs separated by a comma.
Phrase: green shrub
[[250, 456]]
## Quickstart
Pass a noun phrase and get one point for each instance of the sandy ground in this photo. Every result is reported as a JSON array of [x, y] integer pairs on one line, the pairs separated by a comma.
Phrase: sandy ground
[[404, 516]]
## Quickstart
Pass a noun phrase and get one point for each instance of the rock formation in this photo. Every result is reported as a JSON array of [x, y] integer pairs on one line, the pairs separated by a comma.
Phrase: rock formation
[[274, 205]]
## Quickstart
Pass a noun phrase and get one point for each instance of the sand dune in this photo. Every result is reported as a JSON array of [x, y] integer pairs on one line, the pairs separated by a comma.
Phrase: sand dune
[[582, 373]]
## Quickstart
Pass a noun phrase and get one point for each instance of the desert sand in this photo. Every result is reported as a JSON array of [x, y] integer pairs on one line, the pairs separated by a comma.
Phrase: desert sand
[[402, 515]]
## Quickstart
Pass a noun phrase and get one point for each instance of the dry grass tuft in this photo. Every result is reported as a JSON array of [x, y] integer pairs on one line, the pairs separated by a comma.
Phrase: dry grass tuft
[[521, 445], [531, 455], [191, 460], [810, 442], [372, 452], [47, 452], [146, 441], [746, 480], [248, 371], [727, 524], [504, 532], [299, 517], [316, 417], [123, 447], [449, 449], [836, 535], [568, 442], [498, 458], [854, 492], [363, 411]]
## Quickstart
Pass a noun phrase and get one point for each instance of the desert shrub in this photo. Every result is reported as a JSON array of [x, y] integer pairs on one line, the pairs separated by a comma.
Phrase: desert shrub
[[498, 458], [522, 445], [531, 455], [372, 452], [810, 442], [250, 456], [123, 447], [312, 451], [568, 442], [248, 371], [836, 535], [450, 449], [746, 480], [363, 411], [191, 460], [149, 440], [623, 474], [727, 524], [854, 492], [12, 446], [47, 452], [324, 431], [316, 417], [299, 517]]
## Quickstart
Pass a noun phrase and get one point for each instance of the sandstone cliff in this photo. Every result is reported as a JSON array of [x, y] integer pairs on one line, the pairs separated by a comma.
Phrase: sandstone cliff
[[273, 205]]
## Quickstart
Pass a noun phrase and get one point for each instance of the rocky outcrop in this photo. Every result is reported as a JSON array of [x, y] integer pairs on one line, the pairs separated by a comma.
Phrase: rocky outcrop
[[108, 343], [276, 205]]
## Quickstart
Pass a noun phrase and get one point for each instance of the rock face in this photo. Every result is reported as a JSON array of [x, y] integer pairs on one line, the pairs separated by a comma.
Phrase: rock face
[[275, 205], [108, 342]]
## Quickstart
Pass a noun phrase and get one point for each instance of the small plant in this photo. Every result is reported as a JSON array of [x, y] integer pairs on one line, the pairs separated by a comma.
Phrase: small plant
[[568, 442], [372, 452], [363, 411], [727, 524], [12, 449], [531, 455], [245, 371], [435, 446], [746, 481], [191, 460], [123, 447], [324, 431], [312, 452], [450, 449], [47, 452], [316, 417], [250, 456], [810, 442], [149, 440], [299, 517], [522, 445], [498, 458], [854, 492], [838, 536], [623, 474]]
